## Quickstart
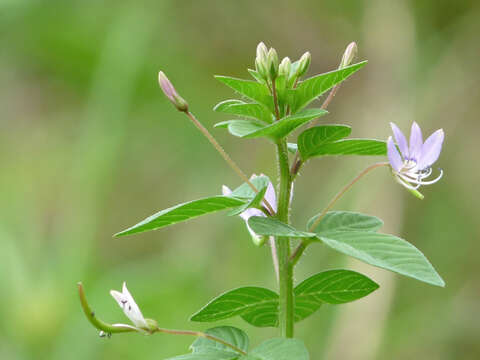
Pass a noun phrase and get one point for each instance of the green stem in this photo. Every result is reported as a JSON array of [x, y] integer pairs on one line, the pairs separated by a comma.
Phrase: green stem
[[286, 300]]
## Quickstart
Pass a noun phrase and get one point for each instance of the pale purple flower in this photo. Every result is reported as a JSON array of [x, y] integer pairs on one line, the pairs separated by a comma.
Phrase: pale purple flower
[[413, 164], [130, 308], [269, 196]]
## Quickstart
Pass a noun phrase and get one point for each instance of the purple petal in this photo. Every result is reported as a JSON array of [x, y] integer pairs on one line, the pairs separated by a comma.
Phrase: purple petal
[[400, 139], [416, 142], [431, 149], [393, 155], [251, 212], [271, 197]]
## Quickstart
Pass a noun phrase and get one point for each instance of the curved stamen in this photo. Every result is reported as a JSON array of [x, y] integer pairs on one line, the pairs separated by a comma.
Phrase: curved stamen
[[405, 182], [420, 182]]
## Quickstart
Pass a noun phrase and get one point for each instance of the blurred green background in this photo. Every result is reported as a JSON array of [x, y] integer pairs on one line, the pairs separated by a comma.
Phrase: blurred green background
[[89, 146]]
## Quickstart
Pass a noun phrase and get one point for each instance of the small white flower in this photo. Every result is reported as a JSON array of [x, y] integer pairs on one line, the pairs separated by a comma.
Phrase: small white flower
[[130, 307]]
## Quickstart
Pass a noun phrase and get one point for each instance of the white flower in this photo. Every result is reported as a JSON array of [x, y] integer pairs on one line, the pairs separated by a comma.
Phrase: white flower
[[130, 307]]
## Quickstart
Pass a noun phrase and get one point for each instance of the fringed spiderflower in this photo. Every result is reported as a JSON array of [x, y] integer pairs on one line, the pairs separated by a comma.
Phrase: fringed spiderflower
[[130, 308], [412, 166]]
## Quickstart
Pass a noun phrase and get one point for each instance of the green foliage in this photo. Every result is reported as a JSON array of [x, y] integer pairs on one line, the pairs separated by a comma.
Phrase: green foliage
[[241, 108], [333, 287], [273, 227], [279, 129], [183, 212], [251, 89], [335, 221], [350, 147], [244, 191], [279, 349], [311, 139], [206, 349], [385, 251], [256, 305], [255, 202], [313, 87]]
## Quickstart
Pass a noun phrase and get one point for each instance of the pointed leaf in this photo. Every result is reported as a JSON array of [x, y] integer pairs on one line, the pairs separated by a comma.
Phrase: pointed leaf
[[285, 126], [273, 227], [241, 128], [279, 349], [258, 306], [254, 203], [335, 221], [183, 212], [214, 355], [230, 334], [251, 89], [311, 139], [385, 251], [241, 108], [244, 191], [313, 87], [351, 147]]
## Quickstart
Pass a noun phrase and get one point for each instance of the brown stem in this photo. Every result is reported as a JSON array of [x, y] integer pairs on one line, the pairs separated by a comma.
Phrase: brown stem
[[227, 158]]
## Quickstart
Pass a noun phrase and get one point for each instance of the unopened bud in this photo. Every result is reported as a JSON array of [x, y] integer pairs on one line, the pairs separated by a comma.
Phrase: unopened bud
[[349, 55], [171, 93], [261, 66], [272, 60], [284, 67], [262, 51], [259, 240], [304, 64]]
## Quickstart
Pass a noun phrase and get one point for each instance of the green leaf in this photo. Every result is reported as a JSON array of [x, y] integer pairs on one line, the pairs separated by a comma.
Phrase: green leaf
[[254, 203], [311, 139], [240, 128], [256, 305], [335, 221], [279, 349], [183, 212], [241, 108], [286, 125], [292, 148], [230, 334], [351, 147], [206, 349], [251, 89], [385, 251], [273, 227], [313, 87], [334, 287], [256, 75], [244, 191]]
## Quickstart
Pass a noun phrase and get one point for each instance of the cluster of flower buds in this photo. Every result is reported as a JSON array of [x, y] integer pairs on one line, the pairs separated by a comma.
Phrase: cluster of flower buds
[[267, 64]]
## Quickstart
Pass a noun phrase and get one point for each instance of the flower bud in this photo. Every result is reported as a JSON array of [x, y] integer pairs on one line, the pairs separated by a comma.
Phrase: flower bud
[[272, 60], [349, 55], [261, 67], [304, 64], [262, 51], [171, 93], [259, 240], [285, 67]]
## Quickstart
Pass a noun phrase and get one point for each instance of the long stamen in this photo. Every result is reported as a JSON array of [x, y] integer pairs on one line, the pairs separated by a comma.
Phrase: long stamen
[[420, 182]]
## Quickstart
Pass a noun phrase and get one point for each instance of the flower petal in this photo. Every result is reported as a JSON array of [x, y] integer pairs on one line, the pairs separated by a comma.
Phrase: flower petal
[[271, 197], [393, 156], [129, 306], [226, 190], [400, 139], [431, 149], [416, 142], [251, 212]]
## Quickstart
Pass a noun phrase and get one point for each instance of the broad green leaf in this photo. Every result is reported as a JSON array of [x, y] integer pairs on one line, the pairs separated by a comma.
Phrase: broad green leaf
[[385, 251], [351, 147], [254, 203], [244, 191], [230, 334], [251, 89], [256, 305], [286, 125], [256, 75], [206, 349], [311, 139], [183, 212], [333, 287], [241, 128], [279, 349], [313, 87], [241, 108], [335, 221], [273, 227]]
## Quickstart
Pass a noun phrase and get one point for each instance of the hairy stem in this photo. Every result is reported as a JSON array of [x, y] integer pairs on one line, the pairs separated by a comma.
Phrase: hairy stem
[[286, 300], [227, 158], [275, 99]]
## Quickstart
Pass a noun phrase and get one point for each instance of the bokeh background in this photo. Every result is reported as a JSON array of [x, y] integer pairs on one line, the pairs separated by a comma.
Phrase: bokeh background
[[89, 146]]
